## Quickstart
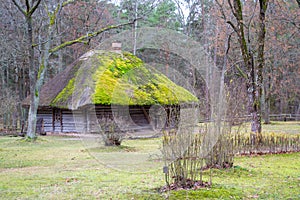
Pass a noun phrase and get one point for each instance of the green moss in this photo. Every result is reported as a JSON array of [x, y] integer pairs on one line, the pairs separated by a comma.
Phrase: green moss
[[170, 93], [122, 79], [41, 69], [127, 81], [65, 94], [208, 193], [36, 93]]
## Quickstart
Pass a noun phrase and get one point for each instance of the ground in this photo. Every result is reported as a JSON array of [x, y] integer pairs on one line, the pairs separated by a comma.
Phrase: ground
[[57, 167]]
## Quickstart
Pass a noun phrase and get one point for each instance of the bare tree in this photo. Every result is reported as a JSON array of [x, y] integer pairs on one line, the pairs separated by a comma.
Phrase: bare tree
[[28, 10], [253, 65], [37, 71]]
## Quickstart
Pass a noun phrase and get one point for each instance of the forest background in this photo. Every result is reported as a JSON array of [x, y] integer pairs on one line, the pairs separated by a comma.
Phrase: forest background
[[210, 22]]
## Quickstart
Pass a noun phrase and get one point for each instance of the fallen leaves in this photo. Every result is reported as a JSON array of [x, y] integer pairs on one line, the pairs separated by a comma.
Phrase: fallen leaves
[[190, 185]]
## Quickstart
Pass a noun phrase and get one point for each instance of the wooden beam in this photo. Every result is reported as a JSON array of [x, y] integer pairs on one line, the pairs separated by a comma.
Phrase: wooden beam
[[61, 120], [53, 119], [146, 114]]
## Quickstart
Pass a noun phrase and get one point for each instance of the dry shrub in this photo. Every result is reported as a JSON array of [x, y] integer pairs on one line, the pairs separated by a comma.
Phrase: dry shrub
[[270, 143], [112, 133], [189, 149], [181, 150]]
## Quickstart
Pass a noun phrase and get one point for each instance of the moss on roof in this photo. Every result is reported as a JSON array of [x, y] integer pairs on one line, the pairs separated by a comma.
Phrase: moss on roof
[[123, 79]]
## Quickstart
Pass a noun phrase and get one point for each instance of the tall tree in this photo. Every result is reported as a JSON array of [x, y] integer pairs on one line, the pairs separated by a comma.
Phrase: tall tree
[[28, 10], [79, 18], [281, 83], [164, 15], [14, 67], [38, 68], [253, 65]]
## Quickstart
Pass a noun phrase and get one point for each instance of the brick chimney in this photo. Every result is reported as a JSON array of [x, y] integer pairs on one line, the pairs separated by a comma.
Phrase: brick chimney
[[116, 47]]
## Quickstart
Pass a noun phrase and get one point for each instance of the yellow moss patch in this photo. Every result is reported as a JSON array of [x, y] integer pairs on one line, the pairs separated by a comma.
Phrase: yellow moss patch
[[123, 79], [64, 95]]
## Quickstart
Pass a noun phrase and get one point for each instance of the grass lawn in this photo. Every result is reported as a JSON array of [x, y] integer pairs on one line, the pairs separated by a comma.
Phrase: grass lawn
[[291, 127], [56, 167]]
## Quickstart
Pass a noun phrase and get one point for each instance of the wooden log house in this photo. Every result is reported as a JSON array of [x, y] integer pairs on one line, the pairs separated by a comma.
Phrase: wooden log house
[[107, 84]]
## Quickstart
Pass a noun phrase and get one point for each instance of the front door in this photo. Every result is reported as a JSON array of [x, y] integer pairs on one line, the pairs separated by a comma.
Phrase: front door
[[57, 120]]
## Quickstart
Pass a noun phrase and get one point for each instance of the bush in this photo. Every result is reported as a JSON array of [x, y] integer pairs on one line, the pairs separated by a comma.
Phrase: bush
[[112, 134]]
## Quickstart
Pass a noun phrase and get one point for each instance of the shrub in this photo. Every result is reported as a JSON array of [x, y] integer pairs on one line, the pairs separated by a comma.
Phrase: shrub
[[112, 132]]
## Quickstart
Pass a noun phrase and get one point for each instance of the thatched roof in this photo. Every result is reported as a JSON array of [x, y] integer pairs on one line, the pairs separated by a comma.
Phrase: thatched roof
[[101, 77]]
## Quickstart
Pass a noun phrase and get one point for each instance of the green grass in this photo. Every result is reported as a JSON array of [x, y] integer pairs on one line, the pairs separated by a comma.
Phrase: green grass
[[70, 168], [292, 127]]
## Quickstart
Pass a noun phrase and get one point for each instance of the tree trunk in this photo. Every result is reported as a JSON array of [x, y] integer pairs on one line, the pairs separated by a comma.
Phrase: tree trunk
[[263, 4], [32, 115], [253, 98], [254, 74], [298, 113], [265, 101], [135, 29], [36, 75], [34, 101], [3, 86], [38, 82]]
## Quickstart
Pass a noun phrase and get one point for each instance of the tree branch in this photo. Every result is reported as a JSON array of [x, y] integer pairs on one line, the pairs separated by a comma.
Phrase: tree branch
[[228, 43], [250, 20], [82, 39], [27, 6], [233, 27], [67, 2], [232, 9], [31, 11], [242, 73], [19, 7], [221, 8]]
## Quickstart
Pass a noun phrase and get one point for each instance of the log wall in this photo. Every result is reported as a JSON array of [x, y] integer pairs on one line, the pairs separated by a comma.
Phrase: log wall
[[87, 119]]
